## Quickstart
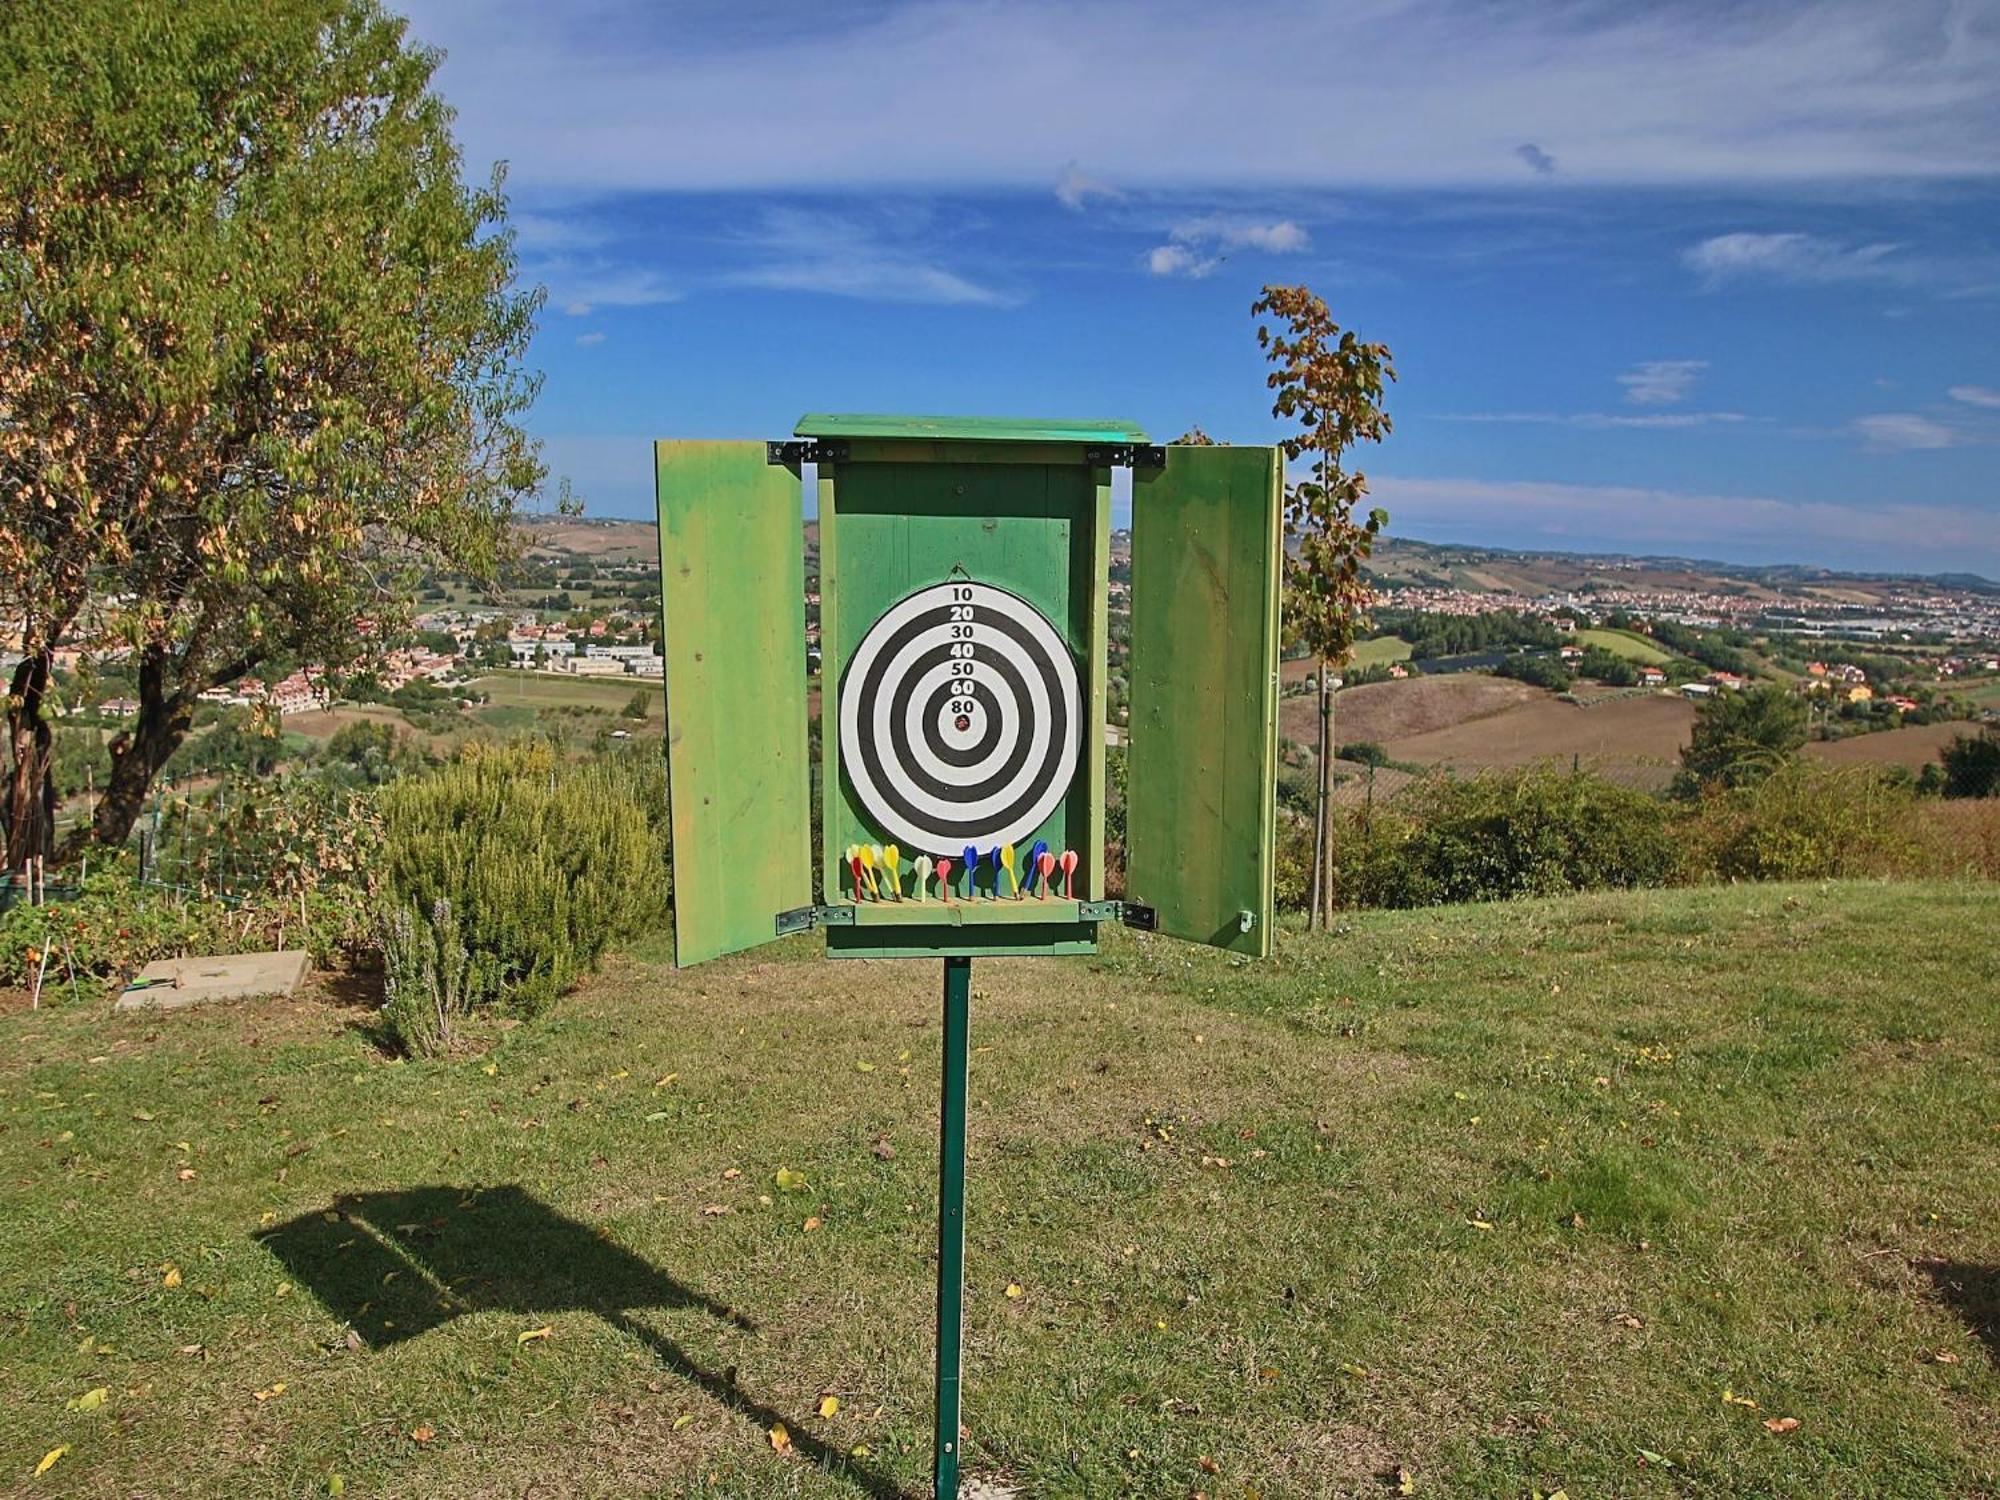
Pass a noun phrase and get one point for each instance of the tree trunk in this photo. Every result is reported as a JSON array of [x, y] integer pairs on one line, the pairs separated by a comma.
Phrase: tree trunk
[[1322, 908], [30, 806], [137, 755], [1327, 846]]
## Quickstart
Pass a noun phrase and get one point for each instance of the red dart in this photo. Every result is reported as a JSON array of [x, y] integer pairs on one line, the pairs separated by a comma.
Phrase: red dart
[[944, 877], [1046, 865], [854, 864], [1069, 874]]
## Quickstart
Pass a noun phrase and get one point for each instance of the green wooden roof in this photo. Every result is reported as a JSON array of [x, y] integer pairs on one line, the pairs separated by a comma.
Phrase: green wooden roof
[[967, 429]]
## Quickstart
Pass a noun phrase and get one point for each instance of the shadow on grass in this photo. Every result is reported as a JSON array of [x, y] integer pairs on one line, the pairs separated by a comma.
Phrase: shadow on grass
[[392, 1266], [1973, 1292]]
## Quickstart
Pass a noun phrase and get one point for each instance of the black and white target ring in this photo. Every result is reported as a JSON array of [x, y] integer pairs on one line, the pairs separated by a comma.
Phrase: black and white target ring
[[960, 719]]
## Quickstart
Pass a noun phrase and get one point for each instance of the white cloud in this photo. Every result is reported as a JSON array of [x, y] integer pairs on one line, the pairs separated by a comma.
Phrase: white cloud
[[1661, 382], [1901, 431], [1884, 533], [1976, 395], [1076, 187], [1152, 93], [579, 286], [1198, 246], [1661, 420], [1178, 260], [877, 261], [585, 340], [1792, 256]]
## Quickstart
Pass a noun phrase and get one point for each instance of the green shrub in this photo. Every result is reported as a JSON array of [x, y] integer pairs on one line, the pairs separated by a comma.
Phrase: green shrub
[[1807, 821], [544, 861], [1533, 832], [430, 982]]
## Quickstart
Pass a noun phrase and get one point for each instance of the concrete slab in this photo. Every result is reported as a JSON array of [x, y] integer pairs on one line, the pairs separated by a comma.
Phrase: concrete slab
[[176, 983]]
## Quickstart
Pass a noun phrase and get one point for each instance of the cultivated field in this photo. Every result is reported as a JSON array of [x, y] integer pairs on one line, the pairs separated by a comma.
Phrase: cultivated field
[[1635, 738], [1914, 745], [558, 690], [1389, 711], [1626, 644], [1652, 1195]]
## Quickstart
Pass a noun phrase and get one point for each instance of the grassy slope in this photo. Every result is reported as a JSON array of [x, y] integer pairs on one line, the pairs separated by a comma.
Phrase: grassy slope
[[1626, 644], [1732, 1138]]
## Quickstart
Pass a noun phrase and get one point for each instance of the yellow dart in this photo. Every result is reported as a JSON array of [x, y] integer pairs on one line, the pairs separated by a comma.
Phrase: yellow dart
[[869, 854], [892, 860], [1013, 875]]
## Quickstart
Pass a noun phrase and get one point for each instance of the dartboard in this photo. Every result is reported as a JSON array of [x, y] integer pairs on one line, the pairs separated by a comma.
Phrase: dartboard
[[960, 719]]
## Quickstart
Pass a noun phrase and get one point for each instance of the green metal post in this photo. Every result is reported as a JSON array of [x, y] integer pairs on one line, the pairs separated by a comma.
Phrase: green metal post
[[951, 1222]]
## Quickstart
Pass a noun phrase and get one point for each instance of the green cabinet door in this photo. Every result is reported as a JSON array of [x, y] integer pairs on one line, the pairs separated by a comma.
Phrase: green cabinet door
[[732, 585], [1200, 802]]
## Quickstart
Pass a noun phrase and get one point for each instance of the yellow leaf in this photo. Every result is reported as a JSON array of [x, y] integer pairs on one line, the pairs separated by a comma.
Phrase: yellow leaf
[[780, 1439], [1480, 1224], [664, 1081], [172, 1278], [49, 1459], [829, 1406], [531, 1334], [860, 1450], [1014, 1289], [685, 1419], [277, 1388], [142, 1114], [864, 1067], [813, 1223], [1406, 1482], [283, 1289], [90, 1400], [790, 1181], [335, 1485], [490, 1069]]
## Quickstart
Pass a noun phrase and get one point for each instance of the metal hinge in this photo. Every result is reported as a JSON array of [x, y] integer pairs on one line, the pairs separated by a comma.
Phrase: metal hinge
[[1143, 918], [805, 451], [805, 918], [1098, 911], [1126, 456]]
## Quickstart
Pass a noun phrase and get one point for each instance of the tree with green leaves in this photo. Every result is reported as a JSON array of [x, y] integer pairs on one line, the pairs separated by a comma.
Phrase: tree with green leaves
[[1741, 737], [1971, 765], [260, 354], [1330, 385]]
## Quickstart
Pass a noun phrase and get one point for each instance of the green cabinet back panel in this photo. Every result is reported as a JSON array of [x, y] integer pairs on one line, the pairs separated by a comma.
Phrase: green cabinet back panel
[[732, 579], [1200, 805]]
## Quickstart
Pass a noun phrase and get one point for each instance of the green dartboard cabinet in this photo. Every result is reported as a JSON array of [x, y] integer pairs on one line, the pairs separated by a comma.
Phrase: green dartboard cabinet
[[965, 608]]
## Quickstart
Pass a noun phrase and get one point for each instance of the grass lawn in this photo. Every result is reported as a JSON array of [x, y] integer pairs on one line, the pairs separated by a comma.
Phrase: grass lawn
[[1381, 650], [1572, 1194], [1626, 644]]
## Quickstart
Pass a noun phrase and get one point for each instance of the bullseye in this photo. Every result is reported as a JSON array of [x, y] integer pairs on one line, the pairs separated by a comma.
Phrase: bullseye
[[960, 718]]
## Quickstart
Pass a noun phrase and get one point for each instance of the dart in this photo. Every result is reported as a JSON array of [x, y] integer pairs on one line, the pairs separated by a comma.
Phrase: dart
[[1045, 866], [922, 865], [870, 853], [1035, 861], [971, 873], [1005, 858], [892, 859], [944, 878], [1069, 873], [854, 863]]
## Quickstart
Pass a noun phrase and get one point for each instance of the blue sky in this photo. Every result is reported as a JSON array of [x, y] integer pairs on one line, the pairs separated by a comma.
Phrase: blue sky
[[1720, 280]]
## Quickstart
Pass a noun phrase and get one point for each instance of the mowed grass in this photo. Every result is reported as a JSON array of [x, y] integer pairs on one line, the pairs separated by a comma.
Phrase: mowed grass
[[552, 690], [1626, 644], [1504, 1198]]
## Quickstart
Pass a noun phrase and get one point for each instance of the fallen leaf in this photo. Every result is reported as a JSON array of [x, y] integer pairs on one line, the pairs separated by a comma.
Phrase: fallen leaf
[[49, 1459], [490, 1069], [860, 1450], [1014, 1289], [780, 1439], [864, 1067], [789, 1181], [1406, 1482], [658, 1115], [172, 1278], [1730, 1398], [277, 1388], [531, 1335], [829, 1406], [1945, 1357], [335, 1485], [714, 1210], [90, 1400], [663, 1082], [813, 1223], [186, 1174], [685, 1419], [1656, 1458], [1780, 1424], [1480, 1224], [423, 1434], [730, 1174], [142, 1114], [1207, 1465]]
